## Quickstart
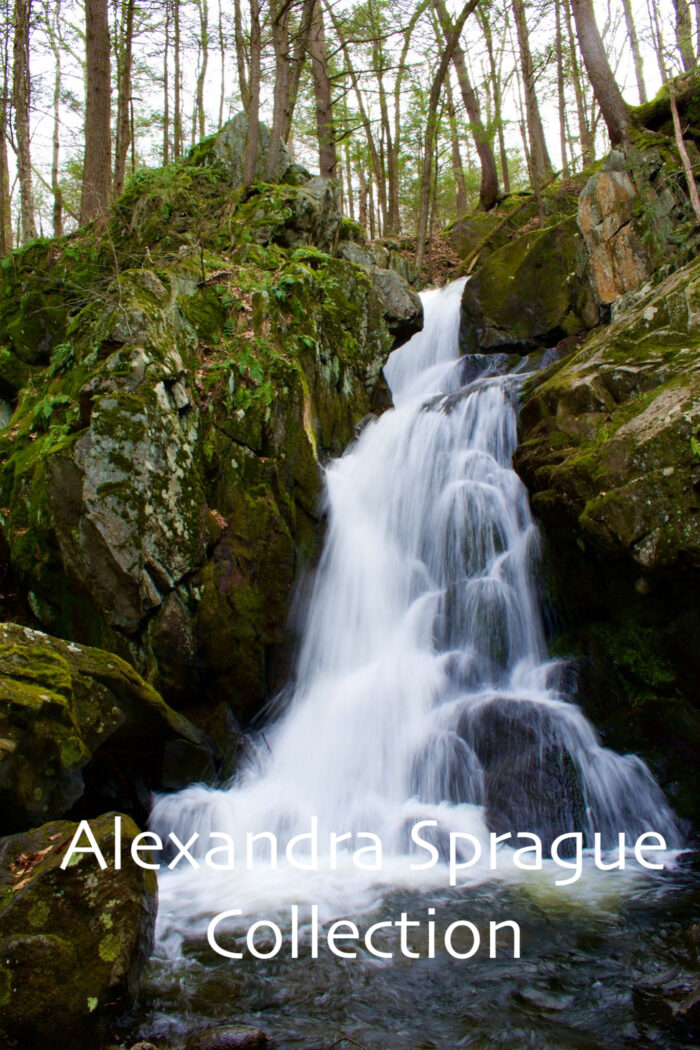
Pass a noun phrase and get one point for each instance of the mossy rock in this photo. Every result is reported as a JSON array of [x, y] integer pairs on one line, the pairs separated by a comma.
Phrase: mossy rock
[[168, 439], [73, 942], [67, 713], [610, 435], [529, 293]]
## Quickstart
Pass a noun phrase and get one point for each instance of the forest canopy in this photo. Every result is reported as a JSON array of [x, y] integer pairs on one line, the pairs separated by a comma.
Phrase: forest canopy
[[421, 109]]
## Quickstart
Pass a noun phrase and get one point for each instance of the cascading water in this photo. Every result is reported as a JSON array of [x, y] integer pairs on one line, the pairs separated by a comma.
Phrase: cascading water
[[422, 687]]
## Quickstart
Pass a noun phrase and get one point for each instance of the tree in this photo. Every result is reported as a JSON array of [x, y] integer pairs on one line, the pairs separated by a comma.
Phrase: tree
[[426, 178], [21, 100], [539, 157], [327, 156], [124, 56], [684, 34], [488, 194], [97, 168], [607, 93], [636, 52], [254, 95]]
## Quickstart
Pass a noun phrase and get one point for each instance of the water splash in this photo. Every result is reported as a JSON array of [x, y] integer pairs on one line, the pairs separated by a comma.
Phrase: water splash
[[423, 686]]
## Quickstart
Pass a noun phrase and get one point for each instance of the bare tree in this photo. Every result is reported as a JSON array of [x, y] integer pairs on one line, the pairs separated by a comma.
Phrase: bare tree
[[251, 155], [124, 56], [684, 34]]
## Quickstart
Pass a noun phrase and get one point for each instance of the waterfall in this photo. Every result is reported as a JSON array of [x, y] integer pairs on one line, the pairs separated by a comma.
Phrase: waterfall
[[422, 687]]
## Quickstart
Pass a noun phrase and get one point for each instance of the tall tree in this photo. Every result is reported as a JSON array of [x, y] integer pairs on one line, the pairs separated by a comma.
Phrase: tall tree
[[607, 93], [279, 15], [483, 17], [97, 167], [327, 156], [488, 194], [5, 211], [124, 56], [253, 109], [684, 34], [636, 50], [541, 164], [52, 20], [426, 175], [21, 100], [202, 75]]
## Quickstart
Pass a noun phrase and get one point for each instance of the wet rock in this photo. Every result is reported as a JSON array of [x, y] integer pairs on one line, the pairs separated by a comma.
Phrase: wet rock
[[230, 1037], [531, 780], [71, 716], [73, 943]]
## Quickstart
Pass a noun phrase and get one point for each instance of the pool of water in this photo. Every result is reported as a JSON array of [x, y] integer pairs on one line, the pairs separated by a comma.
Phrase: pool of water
[[597, 976]]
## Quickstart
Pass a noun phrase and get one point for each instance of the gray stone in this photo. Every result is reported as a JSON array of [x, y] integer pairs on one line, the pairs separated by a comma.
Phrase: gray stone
[[230, 149]]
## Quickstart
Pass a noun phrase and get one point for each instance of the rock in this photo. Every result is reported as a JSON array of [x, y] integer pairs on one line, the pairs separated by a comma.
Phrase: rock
[[608, 453], [531, 780], [401, 306], [529, 293], [617, 261], [230, 1037], [72, 943], [67, 712], [608, 434], [229, 150], [167, 452]]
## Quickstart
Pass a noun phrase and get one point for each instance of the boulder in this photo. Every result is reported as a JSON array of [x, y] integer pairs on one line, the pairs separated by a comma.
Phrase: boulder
[[530, 293], [73, 942], [166, 451], [228, 148], [617, 261], [79, 724], [230, 1037]]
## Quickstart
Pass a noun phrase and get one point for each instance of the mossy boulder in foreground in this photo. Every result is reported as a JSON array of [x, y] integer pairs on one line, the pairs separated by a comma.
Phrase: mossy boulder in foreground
[[73, 942], [79, 726]]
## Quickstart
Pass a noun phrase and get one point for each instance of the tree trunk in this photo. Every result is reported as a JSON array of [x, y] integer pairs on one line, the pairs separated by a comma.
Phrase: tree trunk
[[124, 51], [201, 79], [560, 90], [636, 52], [457, 167], [299, 54], [607, 93], [178, 131], [327, 158], [684, 34], [166, 87], [488, 194], [394, 212], [251, 155], [5, 212], [431, 130], [97, 170], [21, 99], [222, 59], [497, 99], [243, 86], [541, 164], [52, 18], [586, 139], [279, 13]]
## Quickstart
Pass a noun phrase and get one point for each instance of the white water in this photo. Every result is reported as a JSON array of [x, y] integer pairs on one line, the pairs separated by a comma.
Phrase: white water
[[422, 688]]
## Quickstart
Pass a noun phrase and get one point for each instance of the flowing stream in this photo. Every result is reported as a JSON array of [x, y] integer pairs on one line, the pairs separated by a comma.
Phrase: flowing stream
[[422, 692]]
